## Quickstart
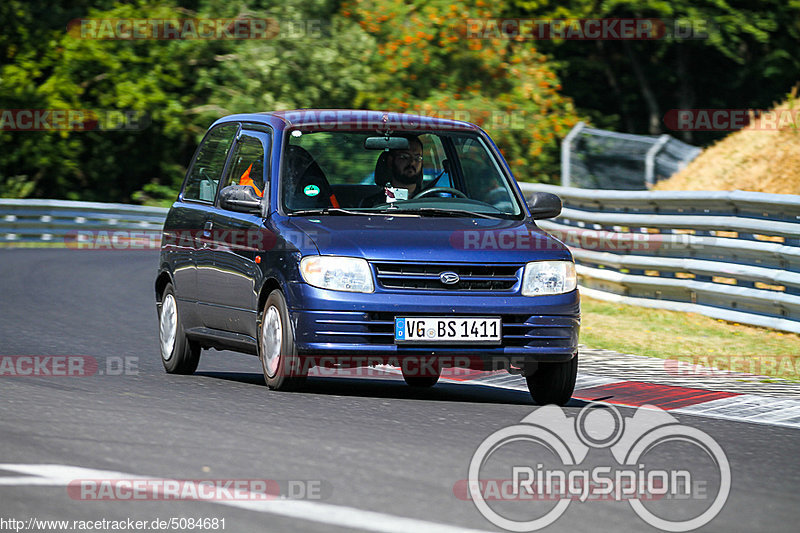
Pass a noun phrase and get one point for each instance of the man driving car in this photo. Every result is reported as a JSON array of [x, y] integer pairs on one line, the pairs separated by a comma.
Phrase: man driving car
[[406, 166], [398, 169]]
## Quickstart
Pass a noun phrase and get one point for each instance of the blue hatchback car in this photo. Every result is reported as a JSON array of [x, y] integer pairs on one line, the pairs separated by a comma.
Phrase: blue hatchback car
[[339, 238]]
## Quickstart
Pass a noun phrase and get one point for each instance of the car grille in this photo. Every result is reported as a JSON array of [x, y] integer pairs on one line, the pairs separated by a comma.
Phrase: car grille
[[425, 276], [518, 330]]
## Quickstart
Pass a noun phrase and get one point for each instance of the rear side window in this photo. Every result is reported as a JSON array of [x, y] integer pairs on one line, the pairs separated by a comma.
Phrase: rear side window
[[203, 179], [436, 165]]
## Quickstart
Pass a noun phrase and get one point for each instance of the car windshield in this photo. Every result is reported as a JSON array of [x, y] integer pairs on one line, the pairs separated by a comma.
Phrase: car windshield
[[416, 173]]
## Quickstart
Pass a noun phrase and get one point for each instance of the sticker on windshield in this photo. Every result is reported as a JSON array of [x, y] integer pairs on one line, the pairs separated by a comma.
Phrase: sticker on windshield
[[311, 190], [393, 194]]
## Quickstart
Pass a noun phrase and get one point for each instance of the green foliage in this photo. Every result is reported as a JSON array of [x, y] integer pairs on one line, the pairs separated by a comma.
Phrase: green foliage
[[16, 187], [426, 64], [181, 86], [396, 55], [155, 194], [744, 55]]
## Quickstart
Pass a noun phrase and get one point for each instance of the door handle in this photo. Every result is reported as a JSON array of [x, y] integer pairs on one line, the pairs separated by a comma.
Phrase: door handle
[[209, 225], [205, 236]]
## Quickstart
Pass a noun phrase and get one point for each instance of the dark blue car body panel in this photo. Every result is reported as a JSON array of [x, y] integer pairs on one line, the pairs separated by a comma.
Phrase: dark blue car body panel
[[220, 289]]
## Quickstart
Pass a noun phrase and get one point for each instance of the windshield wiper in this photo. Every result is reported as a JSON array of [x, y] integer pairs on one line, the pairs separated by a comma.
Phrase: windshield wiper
[[421, 211], [328, 211], [437, 211]]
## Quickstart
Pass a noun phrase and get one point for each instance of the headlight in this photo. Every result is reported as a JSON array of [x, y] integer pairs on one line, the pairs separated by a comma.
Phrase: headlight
[[549, 277], [337, 273]]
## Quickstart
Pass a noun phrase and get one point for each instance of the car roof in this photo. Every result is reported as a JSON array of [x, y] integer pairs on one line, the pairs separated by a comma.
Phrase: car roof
[[351, 119]]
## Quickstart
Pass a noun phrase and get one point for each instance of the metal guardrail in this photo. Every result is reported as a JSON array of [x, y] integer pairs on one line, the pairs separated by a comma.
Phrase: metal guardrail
[[728, 255], [70, 223]]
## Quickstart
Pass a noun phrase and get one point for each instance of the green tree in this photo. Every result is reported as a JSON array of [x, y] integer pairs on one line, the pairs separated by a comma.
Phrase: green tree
[[428, 63], [29, 51], [747, 58], [180, 85]]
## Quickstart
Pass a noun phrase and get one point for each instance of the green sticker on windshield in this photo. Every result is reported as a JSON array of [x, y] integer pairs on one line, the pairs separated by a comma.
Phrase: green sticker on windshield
[[311, 190]]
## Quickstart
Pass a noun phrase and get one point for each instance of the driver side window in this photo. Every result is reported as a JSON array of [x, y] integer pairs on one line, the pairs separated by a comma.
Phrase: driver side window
[[247, 164]]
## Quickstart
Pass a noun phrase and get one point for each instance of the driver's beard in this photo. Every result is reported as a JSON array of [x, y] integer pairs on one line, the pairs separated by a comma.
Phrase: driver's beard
[[407, 180]]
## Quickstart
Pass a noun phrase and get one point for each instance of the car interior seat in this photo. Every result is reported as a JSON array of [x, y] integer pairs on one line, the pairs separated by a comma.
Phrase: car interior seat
[[308, 186], [382, 174]]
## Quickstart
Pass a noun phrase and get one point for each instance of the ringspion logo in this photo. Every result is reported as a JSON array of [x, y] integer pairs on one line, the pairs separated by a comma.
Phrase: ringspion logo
[[518, 471]]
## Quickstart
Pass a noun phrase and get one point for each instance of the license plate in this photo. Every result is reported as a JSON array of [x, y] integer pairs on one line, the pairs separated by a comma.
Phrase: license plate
[[444, 330]]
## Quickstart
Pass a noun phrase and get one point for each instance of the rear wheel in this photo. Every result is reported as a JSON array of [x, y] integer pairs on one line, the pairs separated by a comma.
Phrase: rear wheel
[[179, 355], [277, 351], [553, 382]]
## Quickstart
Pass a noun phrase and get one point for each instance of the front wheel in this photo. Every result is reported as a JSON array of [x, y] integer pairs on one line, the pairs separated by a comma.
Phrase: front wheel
[[179, 355], [277, 351], [553, 382]]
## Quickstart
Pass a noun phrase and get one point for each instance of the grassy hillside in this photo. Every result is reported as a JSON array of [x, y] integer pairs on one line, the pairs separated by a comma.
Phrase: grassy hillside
[[750, 159]]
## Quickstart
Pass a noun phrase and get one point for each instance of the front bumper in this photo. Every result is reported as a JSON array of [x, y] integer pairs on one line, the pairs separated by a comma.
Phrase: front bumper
[[355, 325]]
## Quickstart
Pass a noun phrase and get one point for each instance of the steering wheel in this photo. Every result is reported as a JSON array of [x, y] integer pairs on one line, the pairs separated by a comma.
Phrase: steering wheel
[[450, 190]]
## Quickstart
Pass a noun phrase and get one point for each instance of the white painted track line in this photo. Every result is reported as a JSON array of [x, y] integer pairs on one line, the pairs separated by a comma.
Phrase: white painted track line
[[324, 513]]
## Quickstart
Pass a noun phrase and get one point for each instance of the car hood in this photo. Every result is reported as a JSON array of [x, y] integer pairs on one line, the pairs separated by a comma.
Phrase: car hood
[[435, 239]]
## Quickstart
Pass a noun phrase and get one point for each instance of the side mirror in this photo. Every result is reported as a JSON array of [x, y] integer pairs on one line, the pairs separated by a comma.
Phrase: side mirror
[[240, 198], [544, 205]]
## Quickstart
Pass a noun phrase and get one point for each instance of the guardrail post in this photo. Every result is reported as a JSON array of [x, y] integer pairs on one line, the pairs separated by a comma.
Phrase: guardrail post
[[566, 144], [650, 160]]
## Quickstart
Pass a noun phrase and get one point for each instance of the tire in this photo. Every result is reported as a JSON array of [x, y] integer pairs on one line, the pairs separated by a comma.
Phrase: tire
[[418, 378], [276, 348], [179, 355], [553, 382]]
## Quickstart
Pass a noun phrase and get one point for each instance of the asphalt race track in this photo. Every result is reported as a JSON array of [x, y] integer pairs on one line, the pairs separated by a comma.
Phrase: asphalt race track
[[380, 456]]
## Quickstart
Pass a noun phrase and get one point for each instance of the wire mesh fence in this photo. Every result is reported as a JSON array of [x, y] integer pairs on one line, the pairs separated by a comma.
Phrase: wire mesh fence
[[601, 159]]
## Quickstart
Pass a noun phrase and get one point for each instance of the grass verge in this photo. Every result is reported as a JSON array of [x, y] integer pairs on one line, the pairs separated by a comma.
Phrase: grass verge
[[689, 337]]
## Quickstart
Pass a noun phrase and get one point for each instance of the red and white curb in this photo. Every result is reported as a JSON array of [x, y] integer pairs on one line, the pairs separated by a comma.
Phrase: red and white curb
[[701, 402], [633, 381], [759, 409]]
